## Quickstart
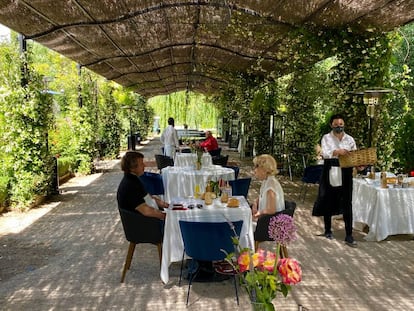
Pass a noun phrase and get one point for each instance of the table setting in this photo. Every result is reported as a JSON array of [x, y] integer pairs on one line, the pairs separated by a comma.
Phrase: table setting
[[193, 209], [387, 208]]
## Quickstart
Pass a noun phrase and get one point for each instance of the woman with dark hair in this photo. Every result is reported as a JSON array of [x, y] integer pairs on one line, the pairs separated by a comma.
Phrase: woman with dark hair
[[335, 188], [131, 193]]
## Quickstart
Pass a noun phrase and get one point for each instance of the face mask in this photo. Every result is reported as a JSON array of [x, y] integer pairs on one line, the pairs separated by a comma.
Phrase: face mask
[[338, 129]]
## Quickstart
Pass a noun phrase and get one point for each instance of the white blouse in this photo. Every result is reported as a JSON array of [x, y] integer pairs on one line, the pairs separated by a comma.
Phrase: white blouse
[[330, 143], [271, 183]]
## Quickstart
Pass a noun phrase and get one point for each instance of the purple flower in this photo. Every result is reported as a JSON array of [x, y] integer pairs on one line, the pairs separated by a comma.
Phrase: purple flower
[[282, 229]]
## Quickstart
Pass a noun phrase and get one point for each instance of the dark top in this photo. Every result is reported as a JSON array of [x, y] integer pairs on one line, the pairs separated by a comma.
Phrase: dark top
[[131, 192], [333, 200]]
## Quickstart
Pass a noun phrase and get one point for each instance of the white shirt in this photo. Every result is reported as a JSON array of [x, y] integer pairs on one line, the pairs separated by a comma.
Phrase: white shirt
[[271, 183], [330, 143], [169, 137]]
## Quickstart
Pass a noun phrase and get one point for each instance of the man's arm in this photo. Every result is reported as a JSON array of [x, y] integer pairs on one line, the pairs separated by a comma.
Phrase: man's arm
[[148, 211]]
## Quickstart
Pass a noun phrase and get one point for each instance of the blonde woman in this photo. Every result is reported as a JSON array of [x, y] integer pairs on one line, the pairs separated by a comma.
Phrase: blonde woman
[[271, 198]]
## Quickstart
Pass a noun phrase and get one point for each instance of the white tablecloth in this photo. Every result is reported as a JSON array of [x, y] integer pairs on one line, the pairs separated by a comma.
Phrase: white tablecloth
[[173, 247], [386, 211], [189, 159], [179, 182]]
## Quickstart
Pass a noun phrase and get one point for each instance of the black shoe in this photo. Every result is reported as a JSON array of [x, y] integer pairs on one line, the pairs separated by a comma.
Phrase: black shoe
[[351, 242], [329, 236]]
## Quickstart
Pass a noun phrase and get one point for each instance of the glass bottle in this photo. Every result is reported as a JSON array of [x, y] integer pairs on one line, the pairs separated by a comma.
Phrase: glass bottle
[[384, 180], [372, 173]]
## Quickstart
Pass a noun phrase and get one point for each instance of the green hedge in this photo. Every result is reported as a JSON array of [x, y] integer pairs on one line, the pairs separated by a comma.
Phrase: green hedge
[[4, 189]]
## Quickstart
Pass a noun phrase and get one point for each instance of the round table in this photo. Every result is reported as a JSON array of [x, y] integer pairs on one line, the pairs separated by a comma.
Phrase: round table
[[179, 182], [189, 160]]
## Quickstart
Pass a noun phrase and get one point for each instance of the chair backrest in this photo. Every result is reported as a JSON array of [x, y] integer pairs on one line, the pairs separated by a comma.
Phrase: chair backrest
[[220, 160], [139, 228], [163, 161], [206, 240], [215, 152], [312, 174], [235, 168], [262, 227], [152, 183], [240, 186]]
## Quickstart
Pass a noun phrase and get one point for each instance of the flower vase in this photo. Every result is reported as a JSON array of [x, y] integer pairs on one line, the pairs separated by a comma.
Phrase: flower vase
[[198, 165], [262, 306]]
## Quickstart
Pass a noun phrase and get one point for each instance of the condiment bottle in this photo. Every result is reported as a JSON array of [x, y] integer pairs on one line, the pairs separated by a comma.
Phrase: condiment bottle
[[224, 196], [384, 180], [228, 189], [372, 173]]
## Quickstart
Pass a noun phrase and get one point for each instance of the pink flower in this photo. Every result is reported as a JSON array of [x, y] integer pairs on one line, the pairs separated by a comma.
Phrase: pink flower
[[290, 271], [282, 229], [269, 263]]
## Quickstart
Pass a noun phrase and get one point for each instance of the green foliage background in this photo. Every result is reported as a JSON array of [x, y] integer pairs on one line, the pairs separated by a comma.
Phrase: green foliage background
[[87, 118]]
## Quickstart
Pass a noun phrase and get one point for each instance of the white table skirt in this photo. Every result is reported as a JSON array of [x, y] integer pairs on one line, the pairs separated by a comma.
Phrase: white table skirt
[[386, 211], [179, 182], [189, 159], [173, 247]]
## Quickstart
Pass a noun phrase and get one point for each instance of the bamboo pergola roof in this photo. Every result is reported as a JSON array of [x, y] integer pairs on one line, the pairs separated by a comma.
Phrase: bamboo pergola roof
[[158, 47]]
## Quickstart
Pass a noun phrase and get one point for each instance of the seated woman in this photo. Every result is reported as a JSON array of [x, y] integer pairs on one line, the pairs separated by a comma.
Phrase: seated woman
[[271, 197]]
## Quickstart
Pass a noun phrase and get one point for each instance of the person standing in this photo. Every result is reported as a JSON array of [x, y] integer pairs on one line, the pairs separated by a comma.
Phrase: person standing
[[169, 138], [271, 196], [335, 188], [131, 194]]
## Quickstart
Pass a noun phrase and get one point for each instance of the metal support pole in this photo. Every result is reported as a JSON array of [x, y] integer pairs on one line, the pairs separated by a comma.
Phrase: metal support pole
[[24, 68], [80, 100]]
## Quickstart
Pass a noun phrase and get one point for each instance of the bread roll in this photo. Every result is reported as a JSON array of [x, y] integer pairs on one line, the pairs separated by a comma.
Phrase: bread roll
[[233, 202]]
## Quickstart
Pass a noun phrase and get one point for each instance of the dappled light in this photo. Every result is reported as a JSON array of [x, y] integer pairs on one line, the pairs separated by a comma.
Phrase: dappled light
[[72, 258]]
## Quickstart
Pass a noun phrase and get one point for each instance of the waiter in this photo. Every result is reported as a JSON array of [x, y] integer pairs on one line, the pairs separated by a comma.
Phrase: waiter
[[169, 138]]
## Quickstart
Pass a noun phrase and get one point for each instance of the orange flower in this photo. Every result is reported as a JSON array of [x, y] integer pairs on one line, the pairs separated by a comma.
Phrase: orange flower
[[269, 263], [290, 271], [244, 261]]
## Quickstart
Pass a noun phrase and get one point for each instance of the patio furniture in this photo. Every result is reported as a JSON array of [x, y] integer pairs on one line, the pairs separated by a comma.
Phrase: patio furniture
[[207, 241], [139, 229]]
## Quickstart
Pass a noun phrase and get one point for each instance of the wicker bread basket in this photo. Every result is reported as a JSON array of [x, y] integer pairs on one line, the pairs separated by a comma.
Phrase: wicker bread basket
[[359, 157]]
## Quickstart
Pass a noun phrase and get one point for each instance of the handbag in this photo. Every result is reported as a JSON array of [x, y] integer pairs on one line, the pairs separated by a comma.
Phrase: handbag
[[335, 176]]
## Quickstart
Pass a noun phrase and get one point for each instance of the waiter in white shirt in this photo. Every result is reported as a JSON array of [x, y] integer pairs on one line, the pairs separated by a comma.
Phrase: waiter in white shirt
[[335, 187], [169, 138]]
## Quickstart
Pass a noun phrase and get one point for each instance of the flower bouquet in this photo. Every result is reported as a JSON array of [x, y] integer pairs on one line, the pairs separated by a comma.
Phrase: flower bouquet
[[263, 273], [199, 152]]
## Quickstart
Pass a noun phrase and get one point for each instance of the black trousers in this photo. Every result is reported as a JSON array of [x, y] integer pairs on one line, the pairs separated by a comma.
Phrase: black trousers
[[343, 196]]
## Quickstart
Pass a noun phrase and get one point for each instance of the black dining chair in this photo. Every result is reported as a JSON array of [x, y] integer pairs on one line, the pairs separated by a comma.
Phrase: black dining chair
[[139, 229], [240, 186], [261, 233], [163, 161], [220, 160], [215, 152], [207, 241]]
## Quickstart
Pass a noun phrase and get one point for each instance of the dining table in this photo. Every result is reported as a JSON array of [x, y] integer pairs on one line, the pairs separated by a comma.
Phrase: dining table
[[386, 211], [173, 247], [181, 181], [189, 159]]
